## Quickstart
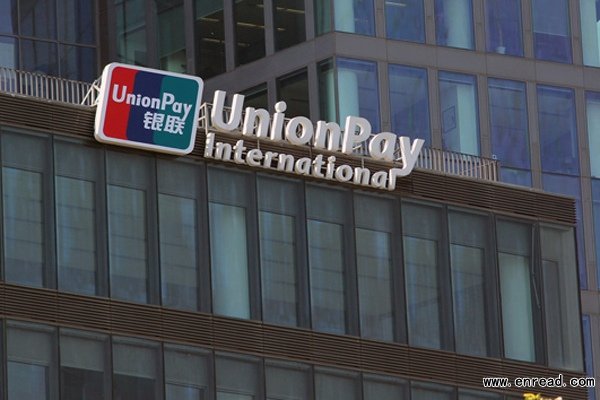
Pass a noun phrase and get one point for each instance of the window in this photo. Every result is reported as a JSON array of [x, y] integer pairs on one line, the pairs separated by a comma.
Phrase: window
[[509, 129], [332, 384], [209, 25], [79, 201], [409, 102], [458, 104], [519, 306], [27, 210], [39, 57], [237, 377], [280, 226], [133, 272], [84, 365], [289, 381], [465, 394], [289, 23], [327, 212], [503, 27], [230, 240], [131, 32], [137, 369], [405, 20], [171, 35], [8, 17], [425, 273], [31, 362], [375, 265], [249, 30], [38, 18], [9, 53], [354, 16], [256, 97], [590, 31], [593, 129], [77, 63], [76, 21], [454, 23], [558, 130], [474, 304], [561, 298], [293, 89], [596, 213], [589, 357], [384, 388], [551, 30], [187, 373], [426, 391]]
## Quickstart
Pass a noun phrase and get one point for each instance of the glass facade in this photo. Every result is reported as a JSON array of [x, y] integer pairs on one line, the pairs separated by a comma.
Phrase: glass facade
[[354, 16], [551, 30], [405, 20], [454, 23], [409, 102], [503, 31]]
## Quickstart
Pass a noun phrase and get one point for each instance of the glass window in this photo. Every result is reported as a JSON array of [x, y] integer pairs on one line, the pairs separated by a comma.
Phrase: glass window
[[293, 89], [289, 381], [187, 373], [355, 16], [465, 394], [561, 298], [137, 369], [229, 214], [327, 213], [374, 262], [289, 23], [178, 234], [425, 391], [31, 362], [131, 31], [384, 388], [590, 31], [475, 317], [129, 180], [424, 267], [78, 63], [171, 36], [336, 384], [327, 90], [249, 30], [209, 26], [38, 56], [551, 30], [27, 216], [458, 104], [77, 21], [509, 129], [9, 54], [596, 212], [503, 27], [84, 372], [237, 377], [454, 23], [279, 227], [409, 102], [558, 130], [404, 20], [38, 18], [256, 97], [8, 17], [78, 201], [593, 129], [515, 274]]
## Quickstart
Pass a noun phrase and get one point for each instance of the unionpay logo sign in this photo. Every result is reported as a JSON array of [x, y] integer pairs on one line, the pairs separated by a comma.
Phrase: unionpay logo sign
[[148, 109]]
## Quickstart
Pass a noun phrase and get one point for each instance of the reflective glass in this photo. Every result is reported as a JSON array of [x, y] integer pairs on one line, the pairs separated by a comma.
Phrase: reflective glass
[[137, 369], [40, 57], [590, 31], [256, 97], [8, 16], [38, 18], [551, 30], [78, 63], [458, 104], [237, 377], [589, 357], [77, 21], [210, 31], [289, 381], [464, 394], [454, 23], [9, 55], [596, 213], [323, 17], [558, 130], [289, 23], [503, 27], [384, 388], [293, 89], [131, 31], [593, 129], [332, 384], [187, 374], [423, 391], [171, 35], [249, 30], [355, 16], [409, 103], [515, 176], [404, 20], [327, 91]]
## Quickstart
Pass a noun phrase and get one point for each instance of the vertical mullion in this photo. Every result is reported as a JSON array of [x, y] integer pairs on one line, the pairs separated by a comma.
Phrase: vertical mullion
[[445, 282], [399, 312], [350, 275], [230, 39], [302, 268], [189, 14], [270, 30]]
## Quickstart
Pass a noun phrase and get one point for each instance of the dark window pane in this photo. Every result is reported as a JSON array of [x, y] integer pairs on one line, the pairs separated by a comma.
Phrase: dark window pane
[[136, 370], [590, 31], [503, 27], [384, 388], [357, 91], [515, 176], [327, 91], [8, 16], [293, 90], [237, 377], [558, 131], [9, 55], [171, 36], [596, 212], [593, 129], [178, 234], [78, 63], [323, 17], [249, 30], [131, 31], [77, 21], [39, 57], [38, 18], [83, 365], [409, 103], [256, 97], [423, 391], [464, 394], [404, 20], [289, 23], [454, 23], [186, 373], [589, 360], [289, 381], [551, 30], [210, 38], [355, 16], [332, 384]]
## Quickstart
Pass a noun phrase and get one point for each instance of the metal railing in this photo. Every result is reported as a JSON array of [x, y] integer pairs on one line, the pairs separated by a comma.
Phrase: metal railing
[[47, 87], [443, 161]]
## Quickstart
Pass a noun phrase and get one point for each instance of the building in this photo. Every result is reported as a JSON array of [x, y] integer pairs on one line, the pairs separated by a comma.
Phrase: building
[[125, 271]]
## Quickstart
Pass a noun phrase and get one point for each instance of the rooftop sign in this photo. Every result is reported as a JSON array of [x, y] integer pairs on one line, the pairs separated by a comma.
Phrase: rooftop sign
[[148, 109]]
